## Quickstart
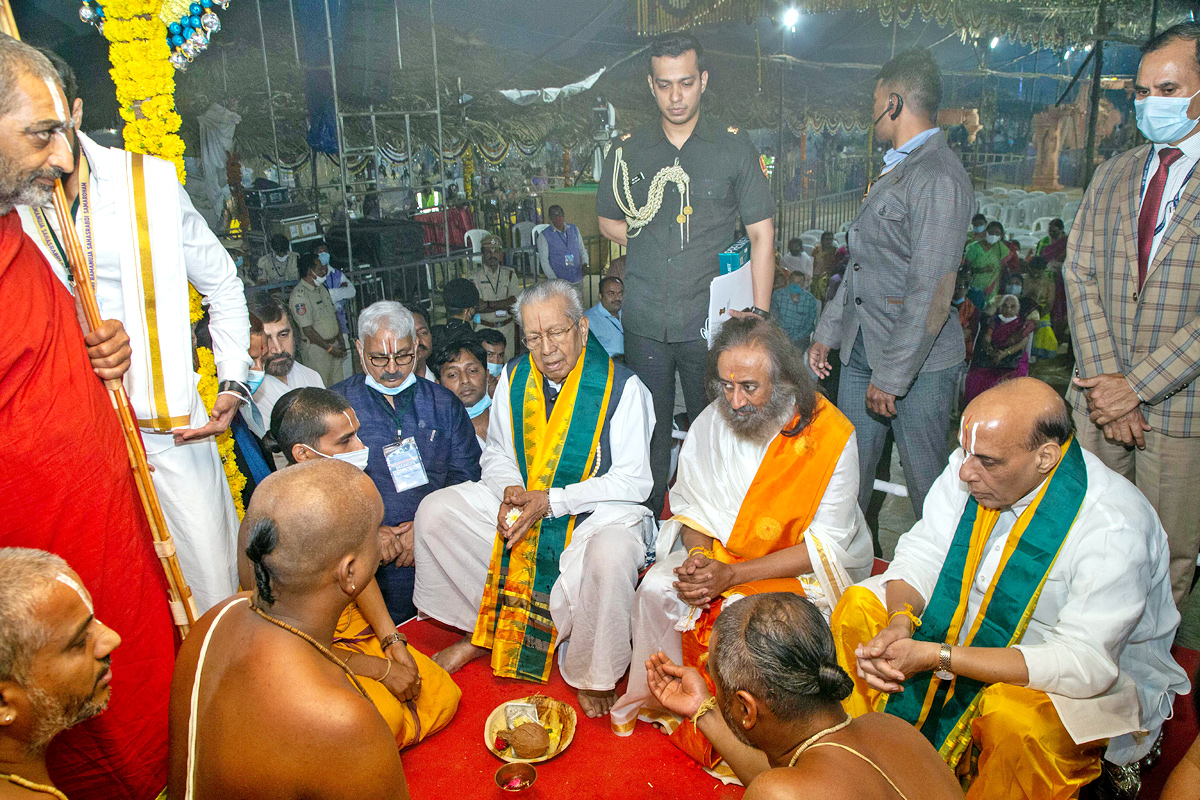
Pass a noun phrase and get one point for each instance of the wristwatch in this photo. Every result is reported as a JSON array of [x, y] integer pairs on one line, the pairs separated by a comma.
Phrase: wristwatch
[[760, 312], [943, 671]]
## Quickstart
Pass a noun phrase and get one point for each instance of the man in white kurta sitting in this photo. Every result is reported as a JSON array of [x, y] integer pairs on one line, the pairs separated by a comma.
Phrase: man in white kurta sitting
[[765, 501], [541, 556], [143, 242], [1026, 622]]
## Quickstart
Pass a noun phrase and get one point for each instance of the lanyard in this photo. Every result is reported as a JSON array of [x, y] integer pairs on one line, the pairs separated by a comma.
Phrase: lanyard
[[404, 401], [1169, 207], [494, 284], [81, 208]]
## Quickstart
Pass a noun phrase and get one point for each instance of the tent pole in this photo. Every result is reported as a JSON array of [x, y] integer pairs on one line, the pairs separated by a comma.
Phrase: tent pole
[[1089, 153]]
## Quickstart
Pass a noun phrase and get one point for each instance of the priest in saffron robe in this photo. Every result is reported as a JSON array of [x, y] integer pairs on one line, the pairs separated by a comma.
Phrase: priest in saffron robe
[[765, 500], [64, 473], [1026, 622], [541, 557]]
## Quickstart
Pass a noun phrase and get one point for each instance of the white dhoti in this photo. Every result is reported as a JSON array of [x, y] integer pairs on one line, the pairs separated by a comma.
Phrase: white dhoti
[[716, 470], [455, 529], [199, 510]]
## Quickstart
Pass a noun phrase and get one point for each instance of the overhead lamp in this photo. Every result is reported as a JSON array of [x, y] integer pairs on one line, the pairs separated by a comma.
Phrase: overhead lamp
[[791, 17], [995, 41], [1067, 54]]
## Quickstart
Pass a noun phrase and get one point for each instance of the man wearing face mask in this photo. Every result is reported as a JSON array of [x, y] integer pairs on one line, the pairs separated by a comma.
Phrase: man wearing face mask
[[280, 265], [460, 367], [1131, 285], [494, 344], [901, 352], [420, 436], [320, 334]]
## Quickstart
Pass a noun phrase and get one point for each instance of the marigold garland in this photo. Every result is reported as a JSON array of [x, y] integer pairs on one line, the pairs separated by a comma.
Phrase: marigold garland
[[208, 393], [145, 79]]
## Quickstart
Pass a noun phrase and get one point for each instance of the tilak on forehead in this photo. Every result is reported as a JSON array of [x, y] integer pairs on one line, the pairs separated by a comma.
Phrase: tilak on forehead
[[59, 110], [67, 580]]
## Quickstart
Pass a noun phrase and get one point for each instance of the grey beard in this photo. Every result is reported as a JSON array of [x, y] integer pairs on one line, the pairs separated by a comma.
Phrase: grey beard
[[765, 423], [20, 190], [52, 717], [279, 365]]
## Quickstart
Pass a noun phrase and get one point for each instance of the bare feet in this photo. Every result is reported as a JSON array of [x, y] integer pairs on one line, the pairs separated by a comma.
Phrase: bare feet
[[459, 654], [596, 704]]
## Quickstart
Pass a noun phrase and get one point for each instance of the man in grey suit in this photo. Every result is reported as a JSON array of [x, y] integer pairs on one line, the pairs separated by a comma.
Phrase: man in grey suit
[[901, 351]]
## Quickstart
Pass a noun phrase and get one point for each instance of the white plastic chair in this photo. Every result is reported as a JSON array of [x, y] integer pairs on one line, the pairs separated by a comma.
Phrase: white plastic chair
[[808, 238], [1011, 216], [992, 211], [1041, 225], [845, 226], [474, 240], [537, 234], [840, 239], [1031, 209], [815, 233], [1016, 193], [1035, 194], [808, 248], [1068, 213]]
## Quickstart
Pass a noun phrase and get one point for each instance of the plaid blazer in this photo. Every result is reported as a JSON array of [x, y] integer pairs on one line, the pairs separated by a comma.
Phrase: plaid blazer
[[1151, 336], [906, 245]]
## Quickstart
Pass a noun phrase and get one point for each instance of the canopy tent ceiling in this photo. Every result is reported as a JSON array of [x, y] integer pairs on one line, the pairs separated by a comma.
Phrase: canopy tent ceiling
[[1055, 23]]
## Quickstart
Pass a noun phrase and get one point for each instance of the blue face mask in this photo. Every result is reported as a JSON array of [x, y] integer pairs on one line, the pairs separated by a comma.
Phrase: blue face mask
[[1164, 119], [979, 228], [323, 258], [475, 320], [795, 288], [239, 261], [390, 391], [495, 369], [255, 379], [484, 403]]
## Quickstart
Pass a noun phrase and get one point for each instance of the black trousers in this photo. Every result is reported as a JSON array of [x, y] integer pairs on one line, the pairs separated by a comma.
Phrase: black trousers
[[656, 364]]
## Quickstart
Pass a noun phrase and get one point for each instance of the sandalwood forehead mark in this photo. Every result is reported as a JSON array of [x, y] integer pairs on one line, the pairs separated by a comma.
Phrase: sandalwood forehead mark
[[59, 110], [67, 580]]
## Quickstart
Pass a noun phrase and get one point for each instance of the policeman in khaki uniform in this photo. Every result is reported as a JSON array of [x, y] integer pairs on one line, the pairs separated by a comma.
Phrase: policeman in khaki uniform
[[321, 347], [674, 232]]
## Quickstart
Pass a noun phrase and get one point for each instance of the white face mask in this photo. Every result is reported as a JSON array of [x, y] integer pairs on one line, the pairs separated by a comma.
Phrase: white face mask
[[1164, 119], [1005, 319], [356, 457], [992, 238]]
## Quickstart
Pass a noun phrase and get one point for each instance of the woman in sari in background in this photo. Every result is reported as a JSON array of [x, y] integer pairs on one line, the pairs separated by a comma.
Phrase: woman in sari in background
[[1002, 350]]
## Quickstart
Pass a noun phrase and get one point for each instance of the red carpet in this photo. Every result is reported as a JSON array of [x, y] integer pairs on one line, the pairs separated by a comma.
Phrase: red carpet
[[454, 763]]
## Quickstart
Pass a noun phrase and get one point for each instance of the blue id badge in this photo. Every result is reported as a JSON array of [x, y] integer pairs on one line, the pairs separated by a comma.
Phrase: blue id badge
[[404, 462], [569, 259]]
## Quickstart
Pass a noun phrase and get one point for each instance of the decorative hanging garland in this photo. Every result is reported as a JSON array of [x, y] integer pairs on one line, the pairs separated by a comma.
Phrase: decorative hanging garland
[[494, 154], [189, 25]]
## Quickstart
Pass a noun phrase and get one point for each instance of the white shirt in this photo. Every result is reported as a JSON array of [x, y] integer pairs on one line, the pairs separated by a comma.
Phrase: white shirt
[[628, 480], [271, 389], [1177, 175], [209, 267], [801, 263], [1100, 636]]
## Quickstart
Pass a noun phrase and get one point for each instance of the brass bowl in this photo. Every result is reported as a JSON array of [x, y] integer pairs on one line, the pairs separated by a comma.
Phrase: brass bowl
[[526, 774]]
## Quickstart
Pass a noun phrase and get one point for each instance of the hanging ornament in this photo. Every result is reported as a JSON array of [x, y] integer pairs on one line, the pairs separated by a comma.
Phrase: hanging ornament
[[86, 14], [189, 49], [211, 22], [179, 61]]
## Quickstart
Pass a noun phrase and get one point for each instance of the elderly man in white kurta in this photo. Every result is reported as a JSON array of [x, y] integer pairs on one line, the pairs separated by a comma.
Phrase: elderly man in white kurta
[[1026, 622], [541, 557], [765, 501], [144, 242]]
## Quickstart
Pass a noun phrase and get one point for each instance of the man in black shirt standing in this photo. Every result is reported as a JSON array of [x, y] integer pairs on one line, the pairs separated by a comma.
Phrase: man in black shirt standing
[[672, 257]]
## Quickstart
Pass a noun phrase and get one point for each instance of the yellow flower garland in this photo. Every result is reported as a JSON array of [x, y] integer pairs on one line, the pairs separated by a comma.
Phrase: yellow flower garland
[[145, 81]]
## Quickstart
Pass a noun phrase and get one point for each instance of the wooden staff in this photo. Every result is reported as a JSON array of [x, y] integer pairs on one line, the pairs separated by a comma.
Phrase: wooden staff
[[183, 607]]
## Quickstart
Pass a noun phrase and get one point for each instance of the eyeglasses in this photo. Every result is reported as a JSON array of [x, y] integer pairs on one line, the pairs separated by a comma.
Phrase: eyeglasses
[[401, 359], [534, 340]]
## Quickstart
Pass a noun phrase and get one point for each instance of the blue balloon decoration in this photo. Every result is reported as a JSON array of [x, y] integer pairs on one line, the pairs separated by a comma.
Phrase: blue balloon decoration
[[99, 11], [194, 21], [195, 9], [177, 40], [175, 28], [206, 3]]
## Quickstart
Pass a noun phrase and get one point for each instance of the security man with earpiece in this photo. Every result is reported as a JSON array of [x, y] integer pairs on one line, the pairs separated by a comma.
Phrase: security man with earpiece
[[901, 350], [672, 192]]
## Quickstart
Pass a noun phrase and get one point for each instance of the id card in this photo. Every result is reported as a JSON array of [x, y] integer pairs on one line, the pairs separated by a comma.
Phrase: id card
[[569, 259], [404, 462]]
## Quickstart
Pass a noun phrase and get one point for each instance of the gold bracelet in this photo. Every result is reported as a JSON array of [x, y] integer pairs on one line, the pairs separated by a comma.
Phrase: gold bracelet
[[386, 672], [907, 612], [705, 707]]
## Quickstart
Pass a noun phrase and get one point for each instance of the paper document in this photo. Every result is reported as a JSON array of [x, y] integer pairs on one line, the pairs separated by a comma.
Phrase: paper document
[[732, 291]]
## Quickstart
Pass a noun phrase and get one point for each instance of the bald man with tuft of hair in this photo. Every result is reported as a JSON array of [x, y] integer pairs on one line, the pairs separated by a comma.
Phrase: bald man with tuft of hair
[[312, 540]]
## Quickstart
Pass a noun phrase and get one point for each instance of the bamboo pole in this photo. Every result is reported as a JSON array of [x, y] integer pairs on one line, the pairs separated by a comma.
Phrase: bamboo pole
[[183, 607]]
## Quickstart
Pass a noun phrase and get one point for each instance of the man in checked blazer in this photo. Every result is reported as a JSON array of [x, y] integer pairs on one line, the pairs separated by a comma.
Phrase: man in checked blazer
[[901, 351], [1133, 294]]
